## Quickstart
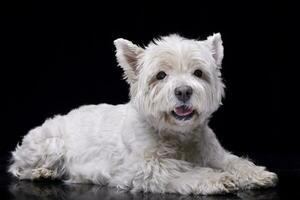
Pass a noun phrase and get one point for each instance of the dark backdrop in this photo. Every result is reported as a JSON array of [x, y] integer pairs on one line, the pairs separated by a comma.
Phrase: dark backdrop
[[56, 57]]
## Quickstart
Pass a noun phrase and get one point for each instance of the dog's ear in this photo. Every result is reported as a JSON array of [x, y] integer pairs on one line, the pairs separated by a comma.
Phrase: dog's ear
[[216, 47], [128, 55]]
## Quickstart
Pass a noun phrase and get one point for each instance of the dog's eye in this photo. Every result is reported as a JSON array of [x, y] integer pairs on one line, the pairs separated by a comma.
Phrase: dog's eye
[[198, 73], [161, 75]]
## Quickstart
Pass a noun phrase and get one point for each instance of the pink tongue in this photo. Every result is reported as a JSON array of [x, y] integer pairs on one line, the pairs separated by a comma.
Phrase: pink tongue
[[183, 111]]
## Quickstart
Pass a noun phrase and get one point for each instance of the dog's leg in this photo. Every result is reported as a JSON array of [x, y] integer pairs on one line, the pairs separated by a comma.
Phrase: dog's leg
[[38, 160], [247, 174], [204, 181], [40, 155], [163, 175]]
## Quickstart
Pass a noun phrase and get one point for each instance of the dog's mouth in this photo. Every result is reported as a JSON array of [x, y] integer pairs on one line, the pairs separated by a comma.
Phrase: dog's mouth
[[183, 112]]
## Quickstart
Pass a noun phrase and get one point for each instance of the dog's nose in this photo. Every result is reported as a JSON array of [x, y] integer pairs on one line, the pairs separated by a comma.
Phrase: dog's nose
[[183, 93]]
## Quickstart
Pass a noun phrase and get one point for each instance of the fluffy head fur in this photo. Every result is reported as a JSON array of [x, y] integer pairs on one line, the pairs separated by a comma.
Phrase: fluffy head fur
[[179, 58]]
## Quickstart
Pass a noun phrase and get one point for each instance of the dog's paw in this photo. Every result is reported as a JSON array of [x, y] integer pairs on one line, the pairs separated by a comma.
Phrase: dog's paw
[[255, 177], [218, 183], [39, 173]]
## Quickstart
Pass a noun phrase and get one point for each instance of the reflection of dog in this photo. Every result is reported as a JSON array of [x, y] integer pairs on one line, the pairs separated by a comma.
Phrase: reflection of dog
[[27, 190], [159, 141]]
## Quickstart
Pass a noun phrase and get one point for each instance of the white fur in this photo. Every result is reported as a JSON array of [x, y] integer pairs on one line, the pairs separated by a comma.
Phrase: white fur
[[140, 146]]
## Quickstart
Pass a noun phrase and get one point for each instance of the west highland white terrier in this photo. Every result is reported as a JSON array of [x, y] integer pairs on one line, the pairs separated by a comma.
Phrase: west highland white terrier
[[159, 141]]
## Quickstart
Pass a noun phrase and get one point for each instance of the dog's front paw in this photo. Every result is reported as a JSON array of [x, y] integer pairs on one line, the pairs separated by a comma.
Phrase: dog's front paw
[[255, 177], [218, 183]]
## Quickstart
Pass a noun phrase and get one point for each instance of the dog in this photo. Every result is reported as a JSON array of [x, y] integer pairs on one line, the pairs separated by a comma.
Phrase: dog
[[159, 141]]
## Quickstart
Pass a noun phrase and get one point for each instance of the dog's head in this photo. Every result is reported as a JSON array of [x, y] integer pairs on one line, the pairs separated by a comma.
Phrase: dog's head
[[175, 83]]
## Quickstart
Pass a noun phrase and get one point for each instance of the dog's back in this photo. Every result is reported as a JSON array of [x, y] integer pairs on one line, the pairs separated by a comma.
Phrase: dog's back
[[58, 147]]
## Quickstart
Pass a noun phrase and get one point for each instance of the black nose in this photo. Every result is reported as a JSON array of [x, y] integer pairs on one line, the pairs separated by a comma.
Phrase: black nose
[[183, 93]]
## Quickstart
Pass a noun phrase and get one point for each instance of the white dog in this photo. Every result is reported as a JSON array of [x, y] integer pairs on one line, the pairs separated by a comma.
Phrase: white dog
[[158, 142]]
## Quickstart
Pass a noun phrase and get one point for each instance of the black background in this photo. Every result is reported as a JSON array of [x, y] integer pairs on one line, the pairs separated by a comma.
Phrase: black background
[[56, 57]]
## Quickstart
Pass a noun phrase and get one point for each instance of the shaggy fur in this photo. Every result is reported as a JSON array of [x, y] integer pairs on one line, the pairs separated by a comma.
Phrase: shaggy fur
[[155, 143]]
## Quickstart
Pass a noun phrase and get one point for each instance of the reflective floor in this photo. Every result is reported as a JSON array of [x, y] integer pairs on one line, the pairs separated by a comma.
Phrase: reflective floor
[[288, 188], [43, 191]]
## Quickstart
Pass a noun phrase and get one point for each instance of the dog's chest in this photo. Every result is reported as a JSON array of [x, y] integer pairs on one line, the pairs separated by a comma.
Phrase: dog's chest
[[189, 152], [175, 149]]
